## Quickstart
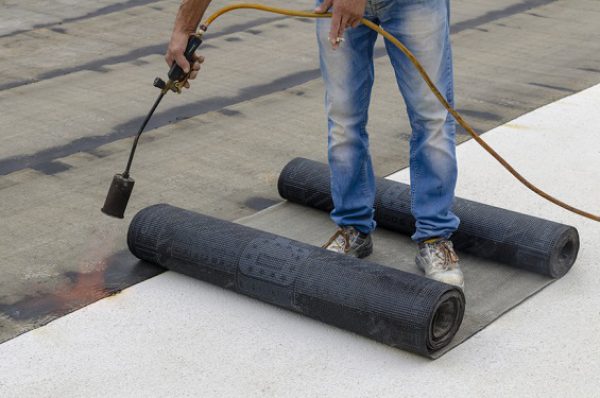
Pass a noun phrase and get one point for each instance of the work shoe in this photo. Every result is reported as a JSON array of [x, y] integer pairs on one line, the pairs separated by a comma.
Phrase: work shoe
[[437, 258], [348, 240]]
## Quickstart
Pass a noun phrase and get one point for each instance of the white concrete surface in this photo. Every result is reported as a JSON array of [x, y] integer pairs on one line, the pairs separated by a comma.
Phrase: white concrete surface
[[174, 336]]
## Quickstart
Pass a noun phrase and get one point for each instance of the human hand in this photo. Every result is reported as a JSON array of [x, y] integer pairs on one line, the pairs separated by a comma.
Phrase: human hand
[[175, 53], [345, 14]]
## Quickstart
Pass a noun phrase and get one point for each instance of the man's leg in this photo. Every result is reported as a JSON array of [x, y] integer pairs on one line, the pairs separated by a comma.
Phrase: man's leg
[[424, 28], [348, 75]]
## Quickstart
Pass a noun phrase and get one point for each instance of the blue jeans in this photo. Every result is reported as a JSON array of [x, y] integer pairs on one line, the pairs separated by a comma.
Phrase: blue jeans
[[423, 26]]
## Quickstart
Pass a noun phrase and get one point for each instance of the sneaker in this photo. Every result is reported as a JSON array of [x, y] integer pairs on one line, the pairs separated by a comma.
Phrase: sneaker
[[439, 261], [348, 240]]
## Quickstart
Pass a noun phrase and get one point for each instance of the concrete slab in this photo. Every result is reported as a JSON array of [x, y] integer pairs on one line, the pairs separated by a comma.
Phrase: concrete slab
[[496, 80], [26, 16], [204, 340]]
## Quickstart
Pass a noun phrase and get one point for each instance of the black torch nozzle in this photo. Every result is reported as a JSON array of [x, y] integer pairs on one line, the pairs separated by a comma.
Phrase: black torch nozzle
[[118, 195]]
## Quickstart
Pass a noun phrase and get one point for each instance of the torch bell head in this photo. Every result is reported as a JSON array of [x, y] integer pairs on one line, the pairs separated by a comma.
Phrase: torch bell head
[[118, 196]]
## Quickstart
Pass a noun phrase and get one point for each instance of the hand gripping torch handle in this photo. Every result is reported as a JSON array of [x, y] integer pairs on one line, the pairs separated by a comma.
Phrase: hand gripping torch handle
[[176, 73]]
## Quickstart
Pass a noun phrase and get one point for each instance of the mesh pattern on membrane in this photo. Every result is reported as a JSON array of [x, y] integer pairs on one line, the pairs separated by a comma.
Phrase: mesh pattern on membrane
[[388, 305], [523, 241]]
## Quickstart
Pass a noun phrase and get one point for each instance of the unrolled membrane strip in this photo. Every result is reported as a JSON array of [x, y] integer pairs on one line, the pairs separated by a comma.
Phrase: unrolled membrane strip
[[512, 238], [388, 305]]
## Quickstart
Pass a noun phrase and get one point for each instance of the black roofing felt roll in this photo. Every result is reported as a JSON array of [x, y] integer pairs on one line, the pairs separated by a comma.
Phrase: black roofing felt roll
[[512, 238], [388, 305]]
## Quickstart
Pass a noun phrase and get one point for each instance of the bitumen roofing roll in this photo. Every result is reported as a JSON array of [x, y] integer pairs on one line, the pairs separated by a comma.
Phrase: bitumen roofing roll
[[520, 240], [388, 305]]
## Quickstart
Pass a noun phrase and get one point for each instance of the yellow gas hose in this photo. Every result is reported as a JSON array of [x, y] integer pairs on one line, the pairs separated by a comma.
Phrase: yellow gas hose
[[425, 76]]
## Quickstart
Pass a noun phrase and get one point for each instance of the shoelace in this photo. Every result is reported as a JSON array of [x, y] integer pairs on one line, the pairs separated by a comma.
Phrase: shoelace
[[448, 254], [344, 234]]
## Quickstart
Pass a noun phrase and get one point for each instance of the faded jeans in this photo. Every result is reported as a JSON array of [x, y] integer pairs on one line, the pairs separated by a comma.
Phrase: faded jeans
[[423, 26]]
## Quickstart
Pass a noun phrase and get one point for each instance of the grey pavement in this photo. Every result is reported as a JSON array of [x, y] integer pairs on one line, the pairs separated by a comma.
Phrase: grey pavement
[[75, 81]]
